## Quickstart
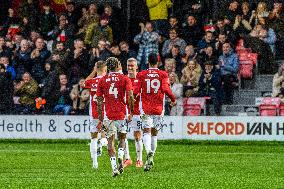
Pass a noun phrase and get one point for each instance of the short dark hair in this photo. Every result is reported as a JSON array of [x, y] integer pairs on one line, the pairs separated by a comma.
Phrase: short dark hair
[[153, 59], [100, 65], [112, 63]]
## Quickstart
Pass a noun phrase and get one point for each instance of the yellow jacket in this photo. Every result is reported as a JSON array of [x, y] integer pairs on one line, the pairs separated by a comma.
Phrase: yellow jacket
[[158, 9]]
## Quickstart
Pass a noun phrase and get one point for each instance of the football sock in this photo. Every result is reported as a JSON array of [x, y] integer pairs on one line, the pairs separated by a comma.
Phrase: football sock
[[113, 163], [120, 153], [154, 144], [139, 149], [147, 142], [127, 155], [93, 149]]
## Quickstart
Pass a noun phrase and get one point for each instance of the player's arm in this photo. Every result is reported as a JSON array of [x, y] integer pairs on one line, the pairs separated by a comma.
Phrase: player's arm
[[100, 101], [129, 89], [137, 86], [167, 90]]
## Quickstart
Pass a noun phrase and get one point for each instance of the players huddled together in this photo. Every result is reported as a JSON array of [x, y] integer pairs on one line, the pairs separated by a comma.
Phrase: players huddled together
[[119, 102]]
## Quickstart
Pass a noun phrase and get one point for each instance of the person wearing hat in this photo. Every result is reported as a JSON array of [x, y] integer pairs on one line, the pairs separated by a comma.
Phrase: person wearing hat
[[210, 85], [99, 31]]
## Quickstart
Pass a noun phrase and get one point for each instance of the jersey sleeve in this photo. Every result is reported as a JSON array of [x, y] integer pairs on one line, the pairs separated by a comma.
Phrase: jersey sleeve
[[128, 83], [166, 87], [100, 88], [88, 84], [137, 86]]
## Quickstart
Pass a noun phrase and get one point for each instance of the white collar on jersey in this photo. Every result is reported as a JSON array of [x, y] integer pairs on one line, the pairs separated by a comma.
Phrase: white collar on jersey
[[153, 68], [115, 72]]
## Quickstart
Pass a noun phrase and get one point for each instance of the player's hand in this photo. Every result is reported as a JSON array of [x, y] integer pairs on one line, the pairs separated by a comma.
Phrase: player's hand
[[100, 126], [173, 103], [129, 119]]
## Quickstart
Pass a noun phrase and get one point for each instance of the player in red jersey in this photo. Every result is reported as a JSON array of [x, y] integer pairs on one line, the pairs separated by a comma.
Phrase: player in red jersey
[[113, 88], [136, 123], [91, 83], [153, 85]]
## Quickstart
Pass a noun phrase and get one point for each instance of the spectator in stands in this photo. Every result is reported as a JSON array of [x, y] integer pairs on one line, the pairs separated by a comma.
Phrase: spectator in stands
[[242, 25], [11, 25], [26, 27], [224, 28], [126, 53], [4, 60], [148, 43], [117, 22], [170, 65], [4, 50], [190, 54], [208, 40], [99, 53], [97, 32], [58, 57], [63, 32], [267, 35], [173, 23], [80, 98], [29, 10], [192, 32], [276, 22], [72, 14], [278, 84], [261, 12], [38, 58], [175, 54], [22, 59], [210, 85], [190, 78], [7, 90], [158, 10], [47, 20], [61, 97], [174, 40], [207, 55], [27, 91], [230, 14], [77, 62], [34, 35], [177, 89], [222, 38], [229, 67], [91, 16]]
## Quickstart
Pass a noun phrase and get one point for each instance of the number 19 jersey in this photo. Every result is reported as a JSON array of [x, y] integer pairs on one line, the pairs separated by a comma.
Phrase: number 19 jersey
[[114, 87], [153, 84]]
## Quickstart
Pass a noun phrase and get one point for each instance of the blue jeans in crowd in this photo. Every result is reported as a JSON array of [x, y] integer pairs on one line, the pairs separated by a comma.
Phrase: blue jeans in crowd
[[66, 109]]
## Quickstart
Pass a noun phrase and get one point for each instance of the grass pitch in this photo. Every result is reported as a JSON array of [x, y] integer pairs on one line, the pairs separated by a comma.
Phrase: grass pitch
[[178, 164]]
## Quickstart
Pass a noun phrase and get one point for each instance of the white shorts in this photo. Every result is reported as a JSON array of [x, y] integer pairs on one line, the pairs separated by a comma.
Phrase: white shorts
[[136, 123], [152, 121], [93, 125], [112, 127]]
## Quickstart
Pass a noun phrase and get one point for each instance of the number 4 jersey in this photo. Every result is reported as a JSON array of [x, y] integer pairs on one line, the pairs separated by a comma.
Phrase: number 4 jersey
[[114, 87], [153, 84]]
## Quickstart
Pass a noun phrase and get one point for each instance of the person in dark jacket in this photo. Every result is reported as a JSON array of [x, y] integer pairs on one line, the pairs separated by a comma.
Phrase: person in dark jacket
[[210, 85], [47, 20], [7, 90], [192, 32]]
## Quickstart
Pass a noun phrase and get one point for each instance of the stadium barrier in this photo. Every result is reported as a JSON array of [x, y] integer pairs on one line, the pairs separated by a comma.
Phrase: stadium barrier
[[175, 127]]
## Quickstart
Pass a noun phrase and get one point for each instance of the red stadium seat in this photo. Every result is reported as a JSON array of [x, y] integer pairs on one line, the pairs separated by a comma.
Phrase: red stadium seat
[[281, 110], [246, 69], [192, 110], [267, 110]]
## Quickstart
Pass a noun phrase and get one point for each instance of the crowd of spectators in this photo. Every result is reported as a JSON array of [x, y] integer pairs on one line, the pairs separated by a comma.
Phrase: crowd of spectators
[[44, 55]]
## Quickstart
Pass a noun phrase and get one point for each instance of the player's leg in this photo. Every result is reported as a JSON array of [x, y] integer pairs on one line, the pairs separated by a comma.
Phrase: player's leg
[[137, 127], [147, 124], [110, 131], [127, 162], [139, 148], [121, 148], [103, 139], [154, 139], [94, 142]]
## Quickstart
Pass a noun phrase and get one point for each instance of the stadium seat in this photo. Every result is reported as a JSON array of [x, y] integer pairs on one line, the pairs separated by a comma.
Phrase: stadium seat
[[246, 69], [192, 110], [281, 110], [267, 110]]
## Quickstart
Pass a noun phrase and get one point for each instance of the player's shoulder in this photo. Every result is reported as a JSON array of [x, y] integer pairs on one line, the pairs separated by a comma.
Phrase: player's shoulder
[[142, 73], [163, 72]]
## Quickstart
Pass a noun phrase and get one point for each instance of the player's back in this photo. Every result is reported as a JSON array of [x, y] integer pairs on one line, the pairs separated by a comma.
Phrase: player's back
[[114, 87], [151, 82], [92, 84]]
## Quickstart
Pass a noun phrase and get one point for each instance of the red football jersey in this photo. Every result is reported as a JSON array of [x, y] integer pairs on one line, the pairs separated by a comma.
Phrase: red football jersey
[[153, 85], [114, 87], [92, 84], [134, 82]]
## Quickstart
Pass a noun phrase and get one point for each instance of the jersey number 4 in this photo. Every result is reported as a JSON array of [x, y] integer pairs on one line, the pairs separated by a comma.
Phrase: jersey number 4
[[154, 84], [113, 90]]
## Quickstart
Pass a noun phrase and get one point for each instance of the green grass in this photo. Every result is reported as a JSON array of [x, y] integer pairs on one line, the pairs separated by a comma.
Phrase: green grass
[[178, 164]]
